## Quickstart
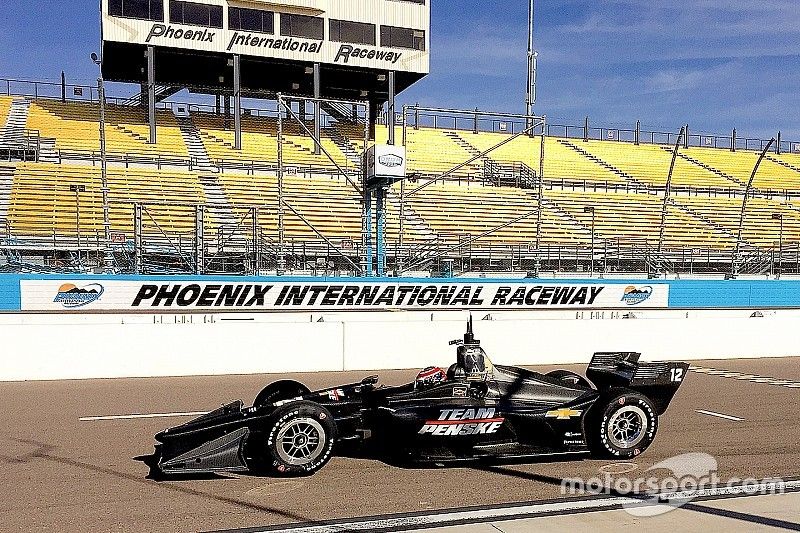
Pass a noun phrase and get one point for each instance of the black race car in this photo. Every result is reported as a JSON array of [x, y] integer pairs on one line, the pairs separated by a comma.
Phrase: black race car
[[477, 411]]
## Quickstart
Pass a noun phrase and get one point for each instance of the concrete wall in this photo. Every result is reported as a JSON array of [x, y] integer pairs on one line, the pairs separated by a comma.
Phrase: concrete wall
[[51, 347]]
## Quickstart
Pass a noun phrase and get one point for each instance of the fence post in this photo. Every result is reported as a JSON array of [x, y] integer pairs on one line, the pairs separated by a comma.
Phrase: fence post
[[137, 238], [586, 129], [686, 137], [778, 144], [199, 239], [638, 132], [475, 124], [733, 140]]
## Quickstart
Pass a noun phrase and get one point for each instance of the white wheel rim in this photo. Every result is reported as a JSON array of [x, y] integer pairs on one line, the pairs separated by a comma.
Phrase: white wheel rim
[[300, 441], [627, 427]]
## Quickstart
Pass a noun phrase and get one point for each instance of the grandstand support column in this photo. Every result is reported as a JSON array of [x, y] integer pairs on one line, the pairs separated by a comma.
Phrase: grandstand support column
[[403, 125], [137, 238], [747, 190], [366, 195], [256, 242], [399, 254], [638, 133], [391, 112], [237, 102], [778, 144], [367, 232], [199, 239], [281, 234], [540, 184], [591, 209], [151, 92], [108, 259], [667, 190], [779, 217], [733, 140], [380, 231], [317, 109]]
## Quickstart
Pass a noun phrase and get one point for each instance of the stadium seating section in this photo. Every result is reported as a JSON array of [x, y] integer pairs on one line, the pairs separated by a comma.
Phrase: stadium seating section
[[5, 105], [615, 187], [74, 127]]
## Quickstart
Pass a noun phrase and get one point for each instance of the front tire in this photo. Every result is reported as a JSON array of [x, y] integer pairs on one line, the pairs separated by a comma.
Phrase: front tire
[[624, 426], [300, 439]]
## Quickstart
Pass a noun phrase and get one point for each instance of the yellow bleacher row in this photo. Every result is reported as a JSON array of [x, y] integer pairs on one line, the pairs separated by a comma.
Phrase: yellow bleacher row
[[41, 204], [73, 125], [5, 105]]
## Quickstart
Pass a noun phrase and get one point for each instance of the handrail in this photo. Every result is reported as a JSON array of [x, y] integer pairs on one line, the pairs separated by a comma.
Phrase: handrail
[[510, 121]]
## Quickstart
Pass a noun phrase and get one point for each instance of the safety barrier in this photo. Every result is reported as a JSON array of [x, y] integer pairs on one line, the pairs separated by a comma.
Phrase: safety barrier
[[57, 347]]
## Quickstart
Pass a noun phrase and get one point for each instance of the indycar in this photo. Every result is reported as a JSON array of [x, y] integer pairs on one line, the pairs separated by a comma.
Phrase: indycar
[[477, 411]]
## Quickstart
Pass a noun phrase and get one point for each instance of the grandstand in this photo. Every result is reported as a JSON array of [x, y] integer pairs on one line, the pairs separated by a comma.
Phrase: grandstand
[[601, 195]]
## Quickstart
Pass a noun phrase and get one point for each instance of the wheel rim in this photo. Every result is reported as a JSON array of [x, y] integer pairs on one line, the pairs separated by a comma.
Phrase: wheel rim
[[627, 427], [300, 441]]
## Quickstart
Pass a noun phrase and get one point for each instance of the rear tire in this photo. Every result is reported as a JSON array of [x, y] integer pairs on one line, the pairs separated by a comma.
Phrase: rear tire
[[299, 439], [285, 389], [623, 425]]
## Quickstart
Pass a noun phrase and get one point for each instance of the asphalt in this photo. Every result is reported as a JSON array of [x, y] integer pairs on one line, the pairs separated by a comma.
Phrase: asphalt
[[60, 473]]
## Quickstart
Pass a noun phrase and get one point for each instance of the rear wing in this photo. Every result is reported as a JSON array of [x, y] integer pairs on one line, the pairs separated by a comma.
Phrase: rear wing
[[658, 381]]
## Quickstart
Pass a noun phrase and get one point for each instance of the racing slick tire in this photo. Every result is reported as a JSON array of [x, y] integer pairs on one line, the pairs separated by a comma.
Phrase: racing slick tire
[[569, 378], [299, 439], [623, 425], [277, 391]]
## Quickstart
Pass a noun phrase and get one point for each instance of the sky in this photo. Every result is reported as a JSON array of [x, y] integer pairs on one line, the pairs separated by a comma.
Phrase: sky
[[714, 64]]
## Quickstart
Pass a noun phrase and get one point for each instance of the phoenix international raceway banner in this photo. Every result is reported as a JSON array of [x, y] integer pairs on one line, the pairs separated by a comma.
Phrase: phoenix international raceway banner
[[180, 295]]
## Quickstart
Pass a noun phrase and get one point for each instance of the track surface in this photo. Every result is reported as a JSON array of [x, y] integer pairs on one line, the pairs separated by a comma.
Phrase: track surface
[[63, 474]]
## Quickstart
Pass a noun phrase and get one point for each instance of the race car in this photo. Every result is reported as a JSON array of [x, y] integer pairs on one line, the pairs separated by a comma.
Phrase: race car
[[474, 410]]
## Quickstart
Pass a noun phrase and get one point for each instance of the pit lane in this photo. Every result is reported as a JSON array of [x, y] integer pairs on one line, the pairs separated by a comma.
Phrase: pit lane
[[61, 473]]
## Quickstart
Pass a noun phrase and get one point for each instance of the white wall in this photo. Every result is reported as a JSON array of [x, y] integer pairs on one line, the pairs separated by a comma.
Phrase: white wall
[[51, 347]]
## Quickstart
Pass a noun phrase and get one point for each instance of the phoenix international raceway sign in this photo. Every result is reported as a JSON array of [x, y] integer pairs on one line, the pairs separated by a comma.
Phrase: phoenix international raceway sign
[[181, 295]]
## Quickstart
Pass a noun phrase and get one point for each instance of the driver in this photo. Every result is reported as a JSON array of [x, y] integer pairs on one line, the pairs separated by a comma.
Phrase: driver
[[430, 376]]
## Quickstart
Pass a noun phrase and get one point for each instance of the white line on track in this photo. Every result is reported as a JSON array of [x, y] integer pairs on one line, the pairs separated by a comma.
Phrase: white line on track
[[138, 416], [719, 415], [436, 520]]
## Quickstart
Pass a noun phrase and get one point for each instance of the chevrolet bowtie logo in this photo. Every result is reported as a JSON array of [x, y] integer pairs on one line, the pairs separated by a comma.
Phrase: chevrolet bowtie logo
[[563, 414]]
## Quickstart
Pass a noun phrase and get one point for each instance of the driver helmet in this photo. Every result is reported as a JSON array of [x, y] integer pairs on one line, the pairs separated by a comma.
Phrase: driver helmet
[[430, 376]]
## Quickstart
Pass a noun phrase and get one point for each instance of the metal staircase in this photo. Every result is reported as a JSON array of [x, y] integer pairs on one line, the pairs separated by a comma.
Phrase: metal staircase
[[753, 261], [6, 182], [218, 203], [344, 145], [162, 93], [341, 112], [13, 132], [605, 165], [705, 166], [782, 163]]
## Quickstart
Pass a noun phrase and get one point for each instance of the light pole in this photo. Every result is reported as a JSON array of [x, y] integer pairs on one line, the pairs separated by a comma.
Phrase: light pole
[[530, 99], [591, 209], [101, 95], [77, 189], [779, 216]]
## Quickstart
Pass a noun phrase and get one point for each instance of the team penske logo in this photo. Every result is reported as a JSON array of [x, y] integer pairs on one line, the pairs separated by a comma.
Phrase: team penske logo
[[460, 422]]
